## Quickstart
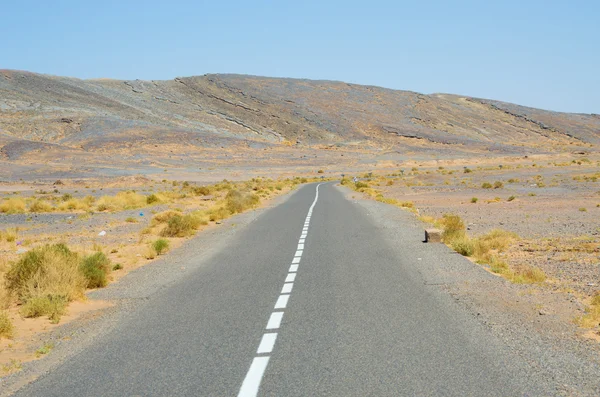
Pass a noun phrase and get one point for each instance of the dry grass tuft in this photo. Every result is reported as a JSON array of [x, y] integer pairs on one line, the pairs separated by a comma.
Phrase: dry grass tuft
[[15, 205], [121, 201], [9, 235], [41, 206], [591, 318]]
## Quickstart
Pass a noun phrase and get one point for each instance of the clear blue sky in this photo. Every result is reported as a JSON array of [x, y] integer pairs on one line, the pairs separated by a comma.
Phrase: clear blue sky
[[540, 53]]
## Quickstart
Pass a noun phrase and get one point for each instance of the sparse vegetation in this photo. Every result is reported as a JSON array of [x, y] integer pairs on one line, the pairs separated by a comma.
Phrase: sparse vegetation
[[45, 349], [486, 185], [474, 200]]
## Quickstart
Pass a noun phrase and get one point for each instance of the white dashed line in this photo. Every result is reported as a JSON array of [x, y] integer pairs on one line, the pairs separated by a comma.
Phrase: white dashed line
[[251, 383], [267, 343], [282, 302], [291, 277], [275, 320], [254, 377]]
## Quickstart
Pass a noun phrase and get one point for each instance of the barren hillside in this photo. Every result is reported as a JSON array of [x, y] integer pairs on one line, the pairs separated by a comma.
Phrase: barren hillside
[[46, 117]]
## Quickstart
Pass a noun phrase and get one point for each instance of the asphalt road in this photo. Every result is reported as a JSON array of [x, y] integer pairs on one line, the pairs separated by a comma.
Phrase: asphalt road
[[356, 321]]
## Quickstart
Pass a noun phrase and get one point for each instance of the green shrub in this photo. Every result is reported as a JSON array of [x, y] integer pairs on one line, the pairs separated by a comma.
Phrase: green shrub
[[511, 198], [160, 246], [486, 185], [498, 185], [96, 268], [474, 199], [117, 266], [360, 185]]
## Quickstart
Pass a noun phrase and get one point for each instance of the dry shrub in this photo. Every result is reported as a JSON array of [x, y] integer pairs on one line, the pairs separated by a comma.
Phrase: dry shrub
[[152, 199], [202, 190], [218, 213], [45, 279], [40, 206], [7, 330], [15, 205], [237, 201], [454, 228], [181, 226], [463, 245], [164, 217], [47, 270]]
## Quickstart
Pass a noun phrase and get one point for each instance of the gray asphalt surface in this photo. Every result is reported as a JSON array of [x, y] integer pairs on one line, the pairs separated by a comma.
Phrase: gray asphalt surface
[[359, 322]]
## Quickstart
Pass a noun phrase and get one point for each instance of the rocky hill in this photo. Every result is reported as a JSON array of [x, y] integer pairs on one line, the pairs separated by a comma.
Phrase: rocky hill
[[47, 114]]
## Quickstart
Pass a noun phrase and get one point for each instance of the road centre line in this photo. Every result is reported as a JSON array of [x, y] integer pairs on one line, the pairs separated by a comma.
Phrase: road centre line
[[275, 320], [287, 288], [254, 377], [291, 277], [251, 384], [267, 343], [282, 301]]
